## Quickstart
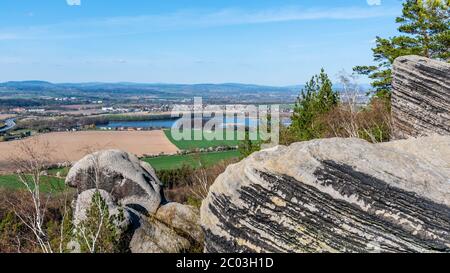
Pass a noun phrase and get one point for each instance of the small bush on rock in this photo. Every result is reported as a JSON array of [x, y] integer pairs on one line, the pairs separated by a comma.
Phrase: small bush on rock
[[98, 233]]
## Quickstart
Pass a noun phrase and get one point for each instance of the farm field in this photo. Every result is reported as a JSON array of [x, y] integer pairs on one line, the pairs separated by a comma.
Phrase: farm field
[[48, 184], [51, 183], [195, 144], [193, 160], [6, 116], [72, 146]]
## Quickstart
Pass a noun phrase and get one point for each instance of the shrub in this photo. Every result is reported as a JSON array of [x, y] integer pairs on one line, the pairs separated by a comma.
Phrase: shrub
[[247, 147], [175, 177], [15, 236], [372, 122], [190, 186], [99, 232]]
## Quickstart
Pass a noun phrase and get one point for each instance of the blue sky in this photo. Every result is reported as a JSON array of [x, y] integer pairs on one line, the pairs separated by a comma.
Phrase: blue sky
[[272, 42]]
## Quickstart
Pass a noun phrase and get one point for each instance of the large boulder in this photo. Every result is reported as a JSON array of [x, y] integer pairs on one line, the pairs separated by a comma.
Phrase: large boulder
[[155, 237], [185, 219], [128, 186], [174, 228], [334, 195], [420, 97], [128, 180]]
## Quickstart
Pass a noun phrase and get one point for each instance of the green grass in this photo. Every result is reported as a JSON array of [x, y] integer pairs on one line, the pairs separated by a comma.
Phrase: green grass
[[53, 184], [194, 144], [193, 160], [62, 171], [48, 184]]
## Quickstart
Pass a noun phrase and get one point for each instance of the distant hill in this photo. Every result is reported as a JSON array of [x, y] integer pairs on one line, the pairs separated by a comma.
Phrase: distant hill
[[219, 93], [132, 87], [126, 87]]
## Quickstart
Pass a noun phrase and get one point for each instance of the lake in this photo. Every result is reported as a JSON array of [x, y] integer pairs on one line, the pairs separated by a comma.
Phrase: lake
[[161, 123], [168, 123]]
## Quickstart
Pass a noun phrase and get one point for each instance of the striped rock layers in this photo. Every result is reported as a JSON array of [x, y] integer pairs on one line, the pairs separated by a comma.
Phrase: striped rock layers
[[420, 97]]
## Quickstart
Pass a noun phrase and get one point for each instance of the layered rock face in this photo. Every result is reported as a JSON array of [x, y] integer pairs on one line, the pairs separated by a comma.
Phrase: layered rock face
[[420, 97], [150, 223], [334, 195]]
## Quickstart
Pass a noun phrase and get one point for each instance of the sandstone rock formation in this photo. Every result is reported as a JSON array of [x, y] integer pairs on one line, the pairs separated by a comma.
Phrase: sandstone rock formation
[[174, 228], [155, 237], [184, 219], [334, 195], [131, 182], [420, 97], [131, 186]]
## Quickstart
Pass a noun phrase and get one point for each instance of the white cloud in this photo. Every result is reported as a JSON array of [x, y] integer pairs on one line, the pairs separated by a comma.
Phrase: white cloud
[[224, 17], [186, 19], [73, 2], [374, 2]]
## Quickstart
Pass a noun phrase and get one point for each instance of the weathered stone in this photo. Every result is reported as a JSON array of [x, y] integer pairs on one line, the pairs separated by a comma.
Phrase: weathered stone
[[174, 228], [129, 181], [130, 187], [185, 219], [333, 195], [84, 203], [154, 236], [420, 97]]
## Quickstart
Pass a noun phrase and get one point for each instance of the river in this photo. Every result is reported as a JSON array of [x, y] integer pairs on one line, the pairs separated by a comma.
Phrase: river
[[10, 123]]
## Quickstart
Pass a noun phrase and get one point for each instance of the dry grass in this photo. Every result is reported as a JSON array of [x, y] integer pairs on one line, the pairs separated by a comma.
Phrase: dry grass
[[372, 123], [6, 116], [72, 146], [195, 184]]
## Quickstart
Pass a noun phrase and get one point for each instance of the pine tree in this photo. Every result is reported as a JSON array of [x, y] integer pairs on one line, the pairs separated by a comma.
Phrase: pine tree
[[425, 26], [247, 147], [99, 232], [316, 98]]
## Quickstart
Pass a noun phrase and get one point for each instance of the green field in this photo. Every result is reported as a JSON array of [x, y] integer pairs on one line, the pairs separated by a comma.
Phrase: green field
[[62, 171], [194, 144], [53, 184], [48, 184], [193, 160]]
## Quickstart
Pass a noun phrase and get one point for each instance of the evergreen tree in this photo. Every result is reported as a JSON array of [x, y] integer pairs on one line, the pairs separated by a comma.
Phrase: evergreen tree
[[99, 232], [248, 146], [315, 99], [425, 26]]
